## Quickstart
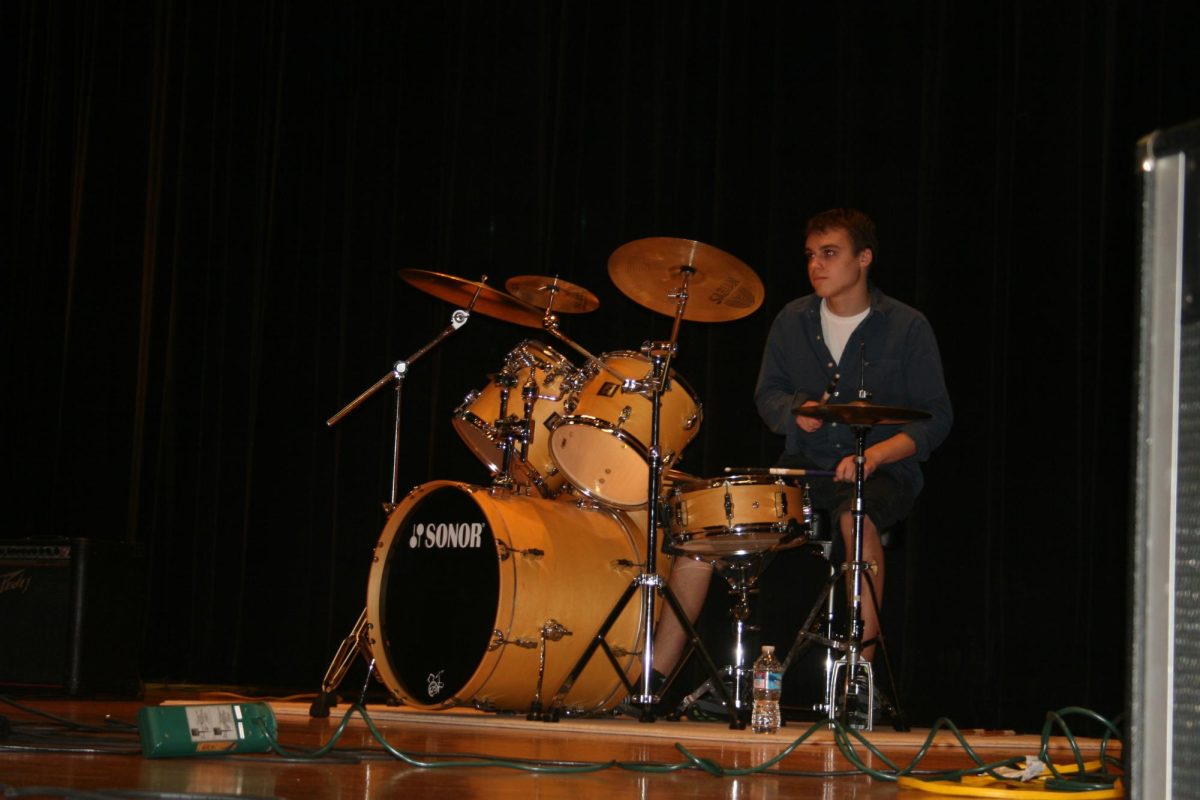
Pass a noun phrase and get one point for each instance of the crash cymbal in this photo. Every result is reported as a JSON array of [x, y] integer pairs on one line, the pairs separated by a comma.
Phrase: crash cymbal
[[861, 413], [721, 287], [538, 289], [491, 302]]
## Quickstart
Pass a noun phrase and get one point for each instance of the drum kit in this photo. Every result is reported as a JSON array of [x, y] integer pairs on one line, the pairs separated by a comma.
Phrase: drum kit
[[494, 596]]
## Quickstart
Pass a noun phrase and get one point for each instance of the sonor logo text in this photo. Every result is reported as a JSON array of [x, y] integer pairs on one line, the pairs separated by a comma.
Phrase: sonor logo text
[[443, 535]]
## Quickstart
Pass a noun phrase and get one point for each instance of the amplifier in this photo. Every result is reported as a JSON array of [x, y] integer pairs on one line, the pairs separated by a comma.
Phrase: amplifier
[[71, 615]]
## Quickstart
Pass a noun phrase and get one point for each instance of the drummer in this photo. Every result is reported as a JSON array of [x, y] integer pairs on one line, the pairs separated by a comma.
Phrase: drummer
[[849, 328]]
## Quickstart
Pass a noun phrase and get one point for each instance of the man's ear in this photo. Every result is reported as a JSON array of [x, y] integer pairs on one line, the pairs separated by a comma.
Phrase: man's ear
[[865, 257]]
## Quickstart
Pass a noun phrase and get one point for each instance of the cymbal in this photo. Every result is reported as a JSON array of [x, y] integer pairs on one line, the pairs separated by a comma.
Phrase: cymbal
[[861, 413], [721, 287], [537, 291], [491, 302]]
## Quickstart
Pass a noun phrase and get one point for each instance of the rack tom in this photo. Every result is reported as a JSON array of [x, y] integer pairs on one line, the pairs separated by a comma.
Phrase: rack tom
[[475, 419], [602, 446]]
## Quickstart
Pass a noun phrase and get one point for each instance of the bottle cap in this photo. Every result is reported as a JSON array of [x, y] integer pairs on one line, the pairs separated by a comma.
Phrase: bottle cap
[[768, 648]]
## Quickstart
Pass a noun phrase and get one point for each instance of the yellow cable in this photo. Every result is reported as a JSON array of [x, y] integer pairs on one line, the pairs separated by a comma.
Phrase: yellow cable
[[987, 787]]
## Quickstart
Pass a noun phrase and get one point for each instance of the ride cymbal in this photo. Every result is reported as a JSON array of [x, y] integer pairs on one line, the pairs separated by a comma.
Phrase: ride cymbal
[[491, 302], [650, 272], [861, 413], [538, 290]]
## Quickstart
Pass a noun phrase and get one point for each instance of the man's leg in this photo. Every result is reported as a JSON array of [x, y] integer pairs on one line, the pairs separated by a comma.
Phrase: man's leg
[[872, 553], [689, 583]]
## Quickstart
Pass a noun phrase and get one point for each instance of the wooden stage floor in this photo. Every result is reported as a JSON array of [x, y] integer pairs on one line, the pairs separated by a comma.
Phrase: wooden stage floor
[[41, 752]]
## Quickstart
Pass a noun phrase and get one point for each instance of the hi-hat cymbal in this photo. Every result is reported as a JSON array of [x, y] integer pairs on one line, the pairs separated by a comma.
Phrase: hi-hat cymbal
[[491, 302], [721, 287], [537, 290], [861, 413]]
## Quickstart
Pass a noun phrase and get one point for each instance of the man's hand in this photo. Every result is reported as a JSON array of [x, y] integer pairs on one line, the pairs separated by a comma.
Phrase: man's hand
[[808, 424], [894, 449]]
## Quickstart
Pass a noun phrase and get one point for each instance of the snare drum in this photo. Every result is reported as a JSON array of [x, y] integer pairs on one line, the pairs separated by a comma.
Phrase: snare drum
[[602, 446], [736, 516], [466, 582], [475, 418]]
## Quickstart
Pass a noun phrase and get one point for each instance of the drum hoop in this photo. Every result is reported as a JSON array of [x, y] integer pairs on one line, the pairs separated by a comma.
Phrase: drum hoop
[[704, 484], [604, 426], [704, 554], [549, 361], [736, 531], [380, 567], [671, 373]]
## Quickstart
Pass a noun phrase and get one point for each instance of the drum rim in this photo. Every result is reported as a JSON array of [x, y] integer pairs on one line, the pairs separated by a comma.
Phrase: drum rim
[[671, 373], [629, 539], [704, 484], [736, 532], [523, 472], [620, 435], [389, 675], [543, 348]]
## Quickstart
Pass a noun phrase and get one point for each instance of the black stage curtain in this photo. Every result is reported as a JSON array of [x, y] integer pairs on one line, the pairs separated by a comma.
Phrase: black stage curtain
[[209, 203]]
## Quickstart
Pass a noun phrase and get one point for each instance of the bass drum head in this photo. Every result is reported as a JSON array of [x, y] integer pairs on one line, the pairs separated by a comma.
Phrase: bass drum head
[[435, 605]]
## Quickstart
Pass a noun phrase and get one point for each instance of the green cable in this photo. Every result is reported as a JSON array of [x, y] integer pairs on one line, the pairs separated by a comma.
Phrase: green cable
[[843, 738]]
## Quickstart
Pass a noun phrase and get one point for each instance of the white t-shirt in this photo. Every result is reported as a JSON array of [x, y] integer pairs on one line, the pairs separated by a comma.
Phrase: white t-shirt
[[837, 329]]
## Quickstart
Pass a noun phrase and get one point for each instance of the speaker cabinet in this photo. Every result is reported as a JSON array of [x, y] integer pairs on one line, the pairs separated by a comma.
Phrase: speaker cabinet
[[71, 615], [1164, 698]]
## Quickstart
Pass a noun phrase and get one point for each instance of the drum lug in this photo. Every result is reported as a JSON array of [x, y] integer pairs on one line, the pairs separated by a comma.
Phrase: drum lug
[[554, 631], [625, 414], [504, 551], [681, 514], [499, 641], [584, 503], [781, 505], [693, 420]]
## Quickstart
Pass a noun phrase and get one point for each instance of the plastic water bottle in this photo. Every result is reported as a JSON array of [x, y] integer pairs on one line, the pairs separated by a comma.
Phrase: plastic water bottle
[[768, 685]]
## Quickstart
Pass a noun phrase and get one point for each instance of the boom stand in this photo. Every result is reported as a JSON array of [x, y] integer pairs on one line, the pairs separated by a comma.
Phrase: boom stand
[[648, 581], [357, 642]]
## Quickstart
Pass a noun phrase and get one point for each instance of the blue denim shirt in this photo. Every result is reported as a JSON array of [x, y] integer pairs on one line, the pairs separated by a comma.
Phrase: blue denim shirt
[[893, 351]]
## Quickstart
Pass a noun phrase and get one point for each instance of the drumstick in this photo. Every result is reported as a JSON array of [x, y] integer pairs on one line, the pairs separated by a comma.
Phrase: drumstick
[[799, 473]]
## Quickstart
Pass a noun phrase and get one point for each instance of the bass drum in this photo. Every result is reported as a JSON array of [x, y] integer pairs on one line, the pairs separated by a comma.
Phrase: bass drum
[[464, 581]]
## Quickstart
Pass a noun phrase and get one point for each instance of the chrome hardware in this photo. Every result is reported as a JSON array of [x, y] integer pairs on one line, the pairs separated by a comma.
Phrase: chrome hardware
[[499, 641]]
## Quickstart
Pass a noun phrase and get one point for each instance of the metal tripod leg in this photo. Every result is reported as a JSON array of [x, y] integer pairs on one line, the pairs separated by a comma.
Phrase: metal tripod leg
[[741, 576], [356, 644], [647, 583]]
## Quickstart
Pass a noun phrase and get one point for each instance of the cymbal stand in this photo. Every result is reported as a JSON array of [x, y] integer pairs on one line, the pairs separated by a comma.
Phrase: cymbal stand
[[357, 643], [850, 665], [648, 581]]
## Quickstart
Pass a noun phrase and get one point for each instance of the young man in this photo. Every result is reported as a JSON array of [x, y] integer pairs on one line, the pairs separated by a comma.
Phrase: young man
[[820, 347], [845, 333]]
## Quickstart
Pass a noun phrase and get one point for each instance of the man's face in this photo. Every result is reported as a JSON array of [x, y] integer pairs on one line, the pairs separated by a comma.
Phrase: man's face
[[834, 269]]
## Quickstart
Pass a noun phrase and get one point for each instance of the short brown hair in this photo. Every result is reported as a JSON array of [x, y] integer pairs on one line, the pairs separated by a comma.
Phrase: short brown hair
[[858, 225]]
